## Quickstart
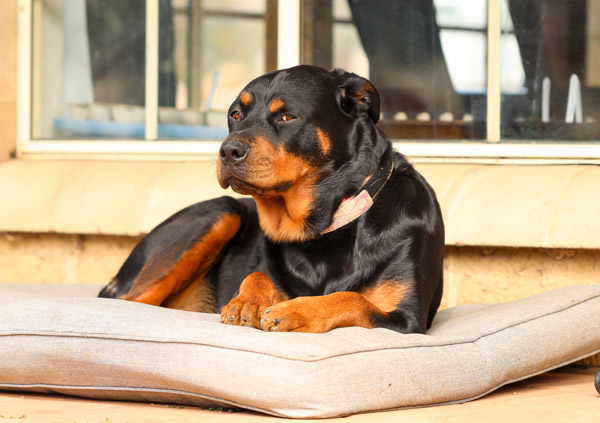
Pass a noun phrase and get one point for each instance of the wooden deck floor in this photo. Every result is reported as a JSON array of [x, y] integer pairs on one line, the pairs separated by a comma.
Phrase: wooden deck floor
[[551, 397]]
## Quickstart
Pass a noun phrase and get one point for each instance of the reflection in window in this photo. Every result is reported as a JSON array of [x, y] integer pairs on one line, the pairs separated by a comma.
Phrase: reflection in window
[[428, 60], [89, 68], [89, 71], [220, 45], [559, 44]]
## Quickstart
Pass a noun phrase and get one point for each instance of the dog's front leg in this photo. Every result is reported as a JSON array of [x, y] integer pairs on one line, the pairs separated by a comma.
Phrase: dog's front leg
[[319, 313], [257, 292]]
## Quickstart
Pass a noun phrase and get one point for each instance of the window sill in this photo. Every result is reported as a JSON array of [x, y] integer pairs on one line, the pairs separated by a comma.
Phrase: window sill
[[507, 205]]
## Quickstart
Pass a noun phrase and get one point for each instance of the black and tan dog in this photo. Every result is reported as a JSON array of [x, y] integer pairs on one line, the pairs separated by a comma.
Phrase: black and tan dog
[[340, 231]]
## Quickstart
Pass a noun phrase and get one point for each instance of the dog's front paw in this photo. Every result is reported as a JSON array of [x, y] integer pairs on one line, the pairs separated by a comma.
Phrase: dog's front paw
[[296, 315], [257, 292], [319, 313], [243, 311]]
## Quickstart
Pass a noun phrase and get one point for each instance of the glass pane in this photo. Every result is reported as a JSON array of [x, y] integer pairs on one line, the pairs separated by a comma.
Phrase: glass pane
[[550, 86], [89, 65], [237, 6], [217, 48], [345, 35], [341, 10], [467, 61], [427, 59], [88, 69], [462, 13]]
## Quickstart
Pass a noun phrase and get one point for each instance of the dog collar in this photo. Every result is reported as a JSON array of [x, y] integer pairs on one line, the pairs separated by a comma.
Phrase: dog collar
[[352, 208]]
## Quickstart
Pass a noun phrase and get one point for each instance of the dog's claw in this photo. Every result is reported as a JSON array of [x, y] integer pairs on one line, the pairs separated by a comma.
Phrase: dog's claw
[[265, 324]]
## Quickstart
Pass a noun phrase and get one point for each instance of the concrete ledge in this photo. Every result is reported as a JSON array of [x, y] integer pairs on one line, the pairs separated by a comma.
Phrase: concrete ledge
[[514, 206], [518, 206], [97, 197]]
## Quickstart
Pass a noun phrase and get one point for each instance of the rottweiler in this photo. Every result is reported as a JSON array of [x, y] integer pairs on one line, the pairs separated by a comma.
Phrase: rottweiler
[[340, 229]]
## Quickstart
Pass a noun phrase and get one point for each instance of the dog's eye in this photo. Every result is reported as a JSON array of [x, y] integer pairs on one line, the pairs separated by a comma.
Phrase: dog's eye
[[235, 115], [286, 118]]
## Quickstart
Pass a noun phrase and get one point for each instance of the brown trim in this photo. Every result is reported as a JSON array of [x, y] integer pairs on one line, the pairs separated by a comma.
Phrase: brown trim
[[271, 36], [317, 33]]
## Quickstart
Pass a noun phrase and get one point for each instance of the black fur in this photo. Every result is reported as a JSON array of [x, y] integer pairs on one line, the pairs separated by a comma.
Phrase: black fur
[[400, 238]]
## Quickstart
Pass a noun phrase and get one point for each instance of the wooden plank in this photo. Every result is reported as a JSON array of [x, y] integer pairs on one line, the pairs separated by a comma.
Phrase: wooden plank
[[550, 397]]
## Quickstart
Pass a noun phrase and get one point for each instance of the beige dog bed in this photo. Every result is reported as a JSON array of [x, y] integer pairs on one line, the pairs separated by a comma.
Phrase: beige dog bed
[[61, 339]]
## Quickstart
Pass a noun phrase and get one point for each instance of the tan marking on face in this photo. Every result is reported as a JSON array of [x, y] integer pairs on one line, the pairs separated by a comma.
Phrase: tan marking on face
[[387, 295], [276, 105], [281, 183], [245, 98], [324, 141], [282, 215]]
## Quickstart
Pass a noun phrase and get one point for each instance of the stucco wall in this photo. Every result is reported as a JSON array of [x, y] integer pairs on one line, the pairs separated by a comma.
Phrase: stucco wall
[[472, 274], [8, 77]]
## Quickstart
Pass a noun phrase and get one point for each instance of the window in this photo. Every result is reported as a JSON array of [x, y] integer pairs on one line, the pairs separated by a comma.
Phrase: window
[[559, 43], [481, 79], [90, 65]]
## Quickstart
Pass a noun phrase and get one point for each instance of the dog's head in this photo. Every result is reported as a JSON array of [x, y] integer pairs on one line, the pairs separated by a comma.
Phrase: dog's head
[[300, 140]]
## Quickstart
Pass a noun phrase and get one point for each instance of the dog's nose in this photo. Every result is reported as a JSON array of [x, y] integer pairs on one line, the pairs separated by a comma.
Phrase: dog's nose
[[233, 152]]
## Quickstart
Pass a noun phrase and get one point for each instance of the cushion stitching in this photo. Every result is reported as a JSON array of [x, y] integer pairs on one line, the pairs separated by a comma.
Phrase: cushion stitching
[[184, 393], [107, 336]]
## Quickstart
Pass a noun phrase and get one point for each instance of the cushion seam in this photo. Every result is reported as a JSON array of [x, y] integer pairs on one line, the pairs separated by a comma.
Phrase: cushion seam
[[526, 375], [113, 337], [137, 389]]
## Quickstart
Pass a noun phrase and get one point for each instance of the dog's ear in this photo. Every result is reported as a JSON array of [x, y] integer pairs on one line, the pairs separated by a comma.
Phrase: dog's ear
[[357, 94]]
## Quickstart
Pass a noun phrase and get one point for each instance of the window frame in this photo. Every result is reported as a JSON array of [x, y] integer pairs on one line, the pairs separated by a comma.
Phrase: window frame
[[288, 54]]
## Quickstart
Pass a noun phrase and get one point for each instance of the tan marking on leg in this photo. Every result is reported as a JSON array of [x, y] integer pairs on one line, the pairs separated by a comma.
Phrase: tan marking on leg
[[320, 313], [336, 310], [164, 276], [198, 296], [387, 295], [257, 292]]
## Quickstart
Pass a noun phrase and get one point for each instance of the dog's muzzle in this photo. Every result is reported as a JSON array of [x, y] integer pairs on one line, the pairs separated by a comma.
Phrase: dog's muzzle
[[233, 152]]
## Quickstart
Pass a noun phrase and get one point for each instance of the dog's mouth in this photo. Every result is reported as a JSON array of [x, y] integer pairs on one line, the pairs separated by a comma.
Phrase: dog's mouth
[[246, 188], [253, 177], [238, 185], [239, 181], [265, 171]]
